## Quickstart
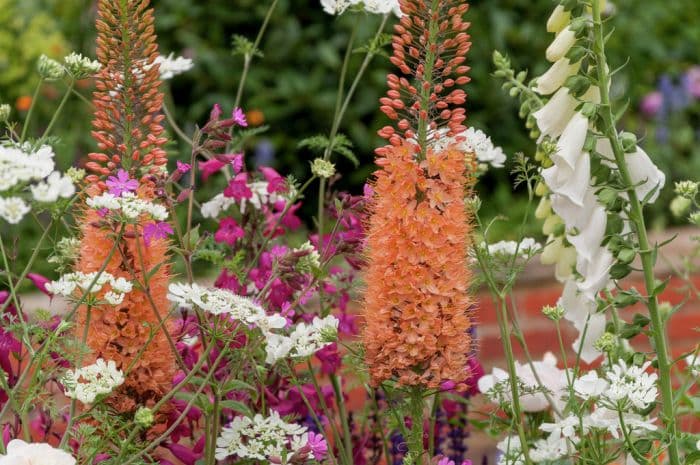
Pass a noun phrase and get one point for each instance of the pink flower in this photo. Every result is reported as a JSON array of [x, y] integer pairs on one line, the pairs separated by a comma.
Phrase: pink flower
[[447, 461], [215, 112], [330, 358], [652, 103], [228, 232], [102, 212], [40, 282], [318, 445], [159, 230], [275, 182], [210, 167], [183, 167], [238, 187], [121, 183], [239, 117], [692, 81]]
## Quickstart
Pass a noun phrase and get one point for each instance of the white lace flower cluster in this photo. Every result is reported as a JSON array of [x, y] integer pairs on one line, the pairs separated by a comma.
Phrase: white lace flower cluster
[[496, 386], [93, 283], [572, 197], [506, 249], [614, 399], [223, 302], [260, 198], [171, 66], [380, 7], [304, 340], [19, 452], [22, 167], [269, 439], [472, 141], [88, 382], [128, 205], [81, 67]]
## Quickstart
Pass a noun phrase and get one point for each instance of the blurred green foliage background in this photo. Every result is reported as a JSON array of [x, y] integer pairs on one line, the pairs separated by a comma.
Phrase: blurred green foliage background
[[292, 87]]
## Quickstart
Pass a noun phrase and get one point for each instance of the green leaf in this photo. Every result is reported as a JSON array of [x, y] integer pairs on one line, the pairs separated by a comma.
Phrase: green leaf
[[643, 446], [239, 407]]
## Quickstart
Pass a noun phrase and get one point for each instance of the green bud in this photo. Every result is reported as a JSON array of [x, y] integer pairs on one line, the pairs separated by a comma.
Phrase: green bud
[[534, 134], [144, 417], [322, 168], [75, 174], [576, 53], [555, 313], [629, 142], [606, 343], [626, 255], [665, 309], [473, 203], [514, 92], [577, 84], [695, 218], [81, 67], [541, 189], [49, 70], [5, 111], [680, 206], [687, 189]]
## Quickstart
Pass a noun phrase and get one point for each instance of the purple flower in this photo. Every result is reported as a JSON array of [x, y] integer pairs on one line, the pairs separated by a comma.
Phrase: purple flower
[[183, 167], [238, 188], [159, 230], [239, 117], [228, 232], [330, 358], [121, 183], [318, 445], [102, 212]]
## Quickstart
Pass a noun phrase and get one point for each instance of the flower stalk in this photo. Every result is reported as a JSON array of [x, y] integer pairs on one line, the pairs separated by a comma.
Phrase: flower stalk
[[646, 252]]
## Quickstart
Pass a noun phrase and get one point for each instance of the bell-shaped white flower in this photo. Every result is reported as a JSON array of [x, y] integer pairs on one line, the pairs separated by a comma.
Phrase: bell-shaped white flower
[[561, 44], [554, 116], [552, 250], [644, 172], [558, 19], [566, 263], [570, 144], [581, 311], [596, 272], [575, 216], [572, 183], [588, 240], [555, 76], [589, 332]]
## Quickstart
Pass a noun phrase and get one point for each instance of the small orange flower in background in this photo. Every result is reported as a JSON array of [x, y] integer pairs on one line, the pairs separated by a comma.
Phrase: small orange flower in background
[[417, 306], [23, 103], [255, 117]]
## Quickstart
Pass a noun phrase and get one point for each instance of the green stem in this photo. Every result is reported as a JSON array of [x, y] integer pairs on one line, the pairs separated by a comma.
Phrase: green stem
[[344, 420], [427, 87], [646, 252], [31, 110], [58, 111], [415, 439]]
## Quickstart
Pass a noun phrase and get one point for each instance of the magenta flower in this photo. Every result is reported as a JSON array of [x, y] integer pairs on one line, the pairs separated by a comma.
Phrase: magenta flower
[[239, 117], [102, 212], [330, 358], [275, 182], [215, 112], [159, 230], [229, 232], [210, 167], [40, 282], [183, 167], [652, 104], [121, 183], [692, 81], [318, 445], [238, 187]]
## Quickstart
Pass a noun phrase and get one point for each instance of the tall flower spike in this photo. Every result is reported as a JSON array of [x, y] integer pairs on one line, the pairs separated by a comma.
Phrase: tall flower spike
[[416, 302], [430, 45], [127, 123], [128, 130]]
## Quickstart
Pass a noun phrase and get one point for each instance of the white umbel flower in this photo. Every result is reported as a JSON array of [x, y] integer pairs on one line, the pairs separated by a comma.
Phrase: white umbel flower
[[128, 205], [20, 164], [304, 340], [13, 209], [87, 383], [261, 438], [93, 282], [55, 186], [261, 197], [171, 66], [81, 67], [550, 449], [24, 453], [528, 246], [631, 384], [590, 386]]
